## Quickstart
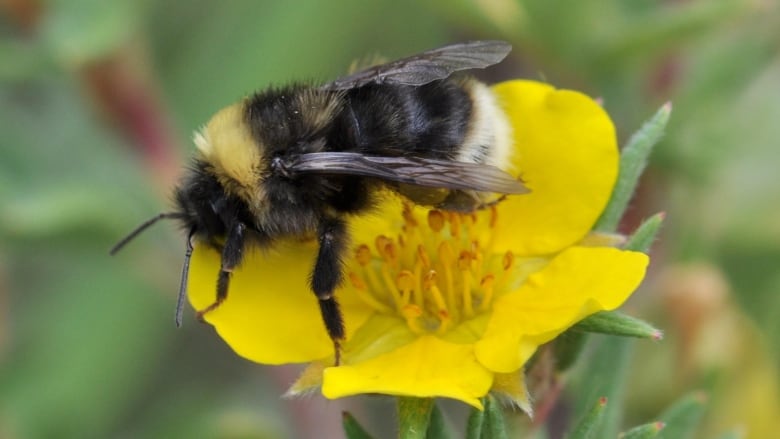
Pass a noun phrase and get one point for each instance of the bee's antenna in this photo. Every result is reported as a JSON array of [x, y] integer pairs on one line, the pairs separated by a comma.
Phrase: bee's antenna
[[141, 228], [184, 274]]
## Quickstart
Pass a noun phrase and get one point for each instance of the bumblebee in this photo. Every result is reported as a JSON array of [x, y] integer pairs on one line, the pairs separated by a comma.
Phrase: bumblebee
[[298, 161]]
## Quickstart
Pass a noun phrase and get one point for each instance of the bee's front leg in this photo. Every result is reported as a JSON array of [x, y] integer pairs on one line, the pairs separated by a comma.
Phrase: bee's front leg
[[232, 253], [327, 276]]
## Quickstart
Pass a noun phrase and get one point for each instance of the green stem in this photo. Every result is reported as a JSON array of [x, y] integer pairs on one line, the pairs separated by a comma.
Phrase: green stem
[[414, 415]]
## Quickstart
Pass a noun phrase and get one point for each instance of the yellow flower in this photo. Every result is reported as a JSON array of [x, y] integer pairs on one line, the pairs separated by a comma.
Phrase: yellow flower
[[440, 304]]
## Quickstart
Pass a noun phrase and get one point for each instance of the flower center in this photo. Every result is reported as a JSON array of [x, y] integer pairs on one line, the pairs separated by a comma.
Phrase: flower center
[[439, 272]]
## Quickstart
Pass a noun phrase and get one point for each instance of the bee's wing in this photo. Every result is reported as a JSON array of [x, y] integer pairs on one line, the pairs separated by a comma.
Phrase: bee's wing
[[445, 174], [427, 66]]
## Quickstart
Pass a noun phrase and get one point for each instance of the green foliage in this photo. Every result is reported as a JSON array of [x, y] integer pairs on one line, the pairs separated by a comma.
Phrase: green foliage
[[633, 159], [352, 428], [617, 323], [586, 428]]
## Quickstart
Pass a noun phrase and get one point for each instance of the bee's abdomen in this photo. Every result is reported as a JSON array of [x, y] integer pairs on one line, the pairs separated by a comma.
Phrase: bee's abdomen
[[427, 121], [453, 119]]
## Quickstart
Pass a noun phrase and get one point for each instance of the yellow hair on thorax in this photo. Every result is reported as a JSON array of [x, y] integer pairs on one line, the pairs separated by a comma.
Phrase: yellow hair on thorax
[[226, 143]]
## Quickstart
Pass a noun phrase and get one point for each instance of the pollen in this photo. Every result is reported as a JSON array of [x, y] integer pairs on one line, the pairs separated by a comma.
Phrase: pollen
[[438, 273]]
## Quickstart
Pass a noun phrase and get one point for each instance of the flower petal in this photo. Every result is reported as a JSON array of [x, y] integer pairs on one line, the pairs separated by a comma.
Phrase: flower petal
[[427, 367], [566, 153], [578, 282], [270, 315]]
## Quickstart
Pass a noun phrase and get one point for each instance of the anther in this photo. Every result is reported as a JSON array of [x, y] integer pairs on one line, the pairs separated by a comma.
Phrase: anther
[[487, 284], [380, 243], [405, 283], [363, 255], [493, 217], [509, 258], [357, 281], [436, 220], [455, 225], [408, 215]]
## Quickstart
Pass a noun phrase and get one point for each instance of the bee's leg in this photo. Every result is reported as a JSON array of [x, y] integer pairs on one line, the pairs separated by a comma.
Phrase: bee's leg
[[185, 273], [232, 252], [327, 275]]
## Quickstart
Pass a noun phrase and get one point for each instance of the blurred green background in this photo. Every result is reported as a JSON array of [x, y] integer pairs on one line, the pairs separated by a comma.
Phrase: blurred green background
[[97, 103]]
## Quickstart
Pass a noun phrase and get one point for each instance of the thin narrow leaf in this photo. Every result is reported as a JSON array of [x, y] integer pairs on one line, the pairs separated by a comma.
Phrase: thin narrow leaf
[[617, 323], [644, 431], [475, 422], [438, 427], [414, 416], [568, 347], [633, 159], [644, 236], [352, 428], [494, 426], [604, 374], [587, 426], [683, 416]]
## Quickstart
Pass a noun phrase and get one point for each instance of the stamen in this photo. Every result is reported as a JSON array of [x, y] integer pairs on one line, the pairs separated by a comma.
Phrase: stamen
[[464, 265], [446, 322], [506, 263], [509, 259], [423, 257], [468, 221], [390, 286], [363, 255], [405, 283], [429, 285], [436, 220], [487, 284], [493, 217], [412, 314], [447, 260], [391, 254], [439, 270], [366, 296], [380, 243], [455, 225], [418, 298], [409, 218]]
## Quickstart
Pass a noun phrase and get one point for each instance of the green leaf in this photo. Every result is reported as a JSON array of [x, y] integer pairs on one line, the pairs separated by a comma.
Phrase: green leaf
[[604, 374], [494, 426], [644, 431], [352, 428], [633, 159], [568, 347], [586, 428], [645, 234], [474, 424], [414, 416], [438, 428], [683, 416], [617, 323]]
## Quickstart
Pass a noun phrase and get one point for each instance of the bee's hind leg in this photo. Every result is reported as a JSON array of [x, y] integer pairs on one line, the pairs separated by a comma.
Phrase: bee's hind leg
[[327, 276]]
